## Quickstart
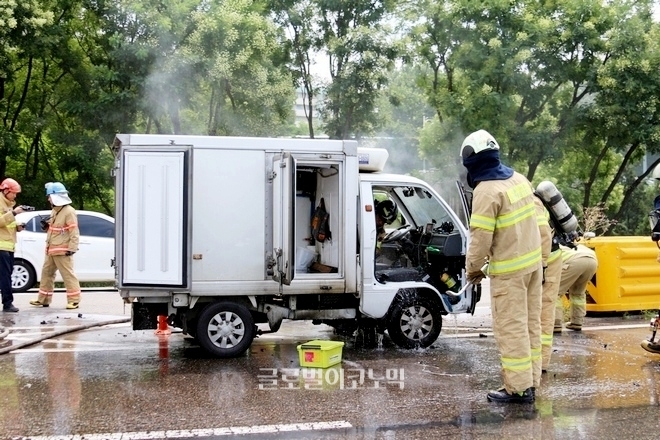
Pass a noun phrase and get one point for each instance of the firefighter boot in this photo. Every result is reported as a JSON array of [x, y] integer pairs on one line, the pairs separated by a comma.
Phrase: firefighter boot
[[38, 303], [502, 396], [651, 347]]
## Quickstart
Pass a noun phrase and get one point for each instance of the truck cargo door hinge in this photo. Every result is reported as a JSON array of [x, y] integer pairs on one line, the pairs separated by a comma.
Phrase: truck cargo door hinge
[[272, 175]]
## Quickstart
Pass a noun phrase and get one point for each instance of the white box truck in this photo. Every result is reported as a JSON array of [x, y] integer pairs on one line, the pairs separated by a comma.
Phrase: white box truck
[[216, 234]]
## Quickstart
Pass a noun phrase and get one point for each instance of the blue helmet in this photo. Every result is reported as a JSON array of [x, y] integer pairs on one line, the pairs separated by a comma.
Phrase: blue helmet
[[55, 188]]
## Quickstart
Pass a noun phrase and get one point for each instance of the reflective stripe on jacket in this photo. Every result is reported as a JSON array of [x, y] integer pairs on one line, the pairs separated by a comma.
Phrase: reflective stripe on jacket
[[7, 225], [63, 234], [504, 227]]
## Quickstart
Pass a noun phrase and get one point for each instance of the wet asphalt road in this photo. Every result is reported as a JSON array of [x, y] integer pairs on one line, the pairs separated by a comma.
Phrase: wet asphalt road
[[112, 382]]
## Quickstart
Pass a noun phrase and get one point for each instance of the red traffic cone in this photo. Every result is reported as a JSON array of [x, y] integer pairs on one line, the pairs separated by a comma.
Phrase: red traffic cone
[[163, 329]]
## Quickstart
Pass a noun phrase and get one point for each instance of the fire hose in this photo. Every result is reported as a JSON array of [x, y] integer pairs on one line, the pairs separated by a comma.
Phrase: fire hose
[[4, 333]]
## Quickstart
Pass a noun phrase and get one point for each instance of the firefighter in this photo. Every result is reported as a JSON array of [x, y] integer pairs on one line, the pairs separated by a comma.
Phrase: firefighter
[[551, 277], [386, 213], [8, 228], [61, 243], [579, 264], [504, 232], [563, 226]]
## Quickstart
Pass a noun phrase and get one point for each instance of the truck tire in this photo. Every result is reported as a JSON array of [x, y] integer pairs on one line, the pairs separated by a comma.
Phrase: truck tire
[[225, 329], [414, 322]]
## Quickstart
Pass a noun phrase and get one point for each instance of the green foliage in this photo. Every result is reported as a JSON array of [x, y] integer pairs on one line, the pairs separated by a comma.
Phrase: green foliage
[[569, 89], [362, 50], [239, 52]]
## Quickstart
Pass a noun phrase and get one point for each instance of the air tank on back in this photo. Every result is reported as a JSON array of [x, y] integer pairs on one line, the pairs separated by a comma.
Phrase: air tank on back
[[559, 209]]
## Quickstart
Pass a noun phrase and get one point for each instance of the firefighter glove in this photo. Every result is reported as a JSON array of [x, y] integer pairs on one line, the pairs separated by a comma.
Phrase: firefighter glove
[[69, 253], [475, 277]]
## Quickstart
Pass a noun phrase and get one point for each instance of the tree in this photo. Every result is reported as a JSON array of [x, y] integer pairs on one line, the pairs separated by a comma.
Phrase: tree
[[249, 90], [361, 49], [536, 76], [298, 18]]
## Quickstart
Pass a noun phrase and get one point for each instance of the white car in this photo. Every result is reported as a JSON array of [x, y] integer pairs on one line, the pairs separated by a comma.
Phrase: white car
[[92, 262]]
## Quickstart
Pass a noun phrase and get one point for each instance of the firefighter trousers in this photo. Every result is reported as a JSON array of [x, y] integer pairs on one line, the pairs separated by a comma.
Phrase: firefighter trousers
[[6, 268], [63, 263], [516, 311], [575, 275]]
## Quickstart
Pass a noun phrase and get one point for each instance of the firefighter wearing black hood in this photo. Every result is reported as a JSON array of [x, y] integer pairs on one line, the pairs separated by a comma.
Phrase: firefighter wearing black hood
[[504, 232]]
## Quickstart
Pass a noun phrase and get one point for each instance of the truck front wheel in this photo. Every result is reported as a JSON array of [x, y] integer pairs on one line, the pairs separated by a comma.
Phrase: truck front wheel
[[225, 329], [414, 322]]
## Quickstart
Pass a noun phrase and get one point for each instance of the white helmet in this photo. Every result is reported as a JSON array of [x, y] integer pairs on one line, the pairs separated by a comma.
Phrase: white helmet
[[656, 172], [477, 142]]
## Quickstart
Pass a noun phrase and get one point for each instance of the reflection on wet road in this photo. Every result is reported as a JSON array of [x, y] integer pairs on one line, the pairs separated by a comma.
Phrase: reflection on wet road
[[112, 380]]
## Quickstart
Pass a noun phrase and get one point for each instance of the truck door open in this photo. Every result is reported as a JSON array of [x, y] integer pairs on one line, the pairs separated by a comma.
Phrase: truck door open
[[283, 215], [301, 184]]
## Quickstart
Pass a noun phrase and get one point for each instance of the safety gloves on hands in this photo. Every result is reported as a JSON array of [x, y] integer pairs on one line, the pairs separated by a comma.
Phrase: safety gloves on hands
[[475, 277]]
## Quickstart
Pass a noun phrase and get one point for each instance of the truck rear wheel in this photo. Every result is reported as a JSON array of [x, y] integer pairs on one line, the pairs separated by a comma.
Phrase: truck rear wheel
[[225, 329], [414, 322]]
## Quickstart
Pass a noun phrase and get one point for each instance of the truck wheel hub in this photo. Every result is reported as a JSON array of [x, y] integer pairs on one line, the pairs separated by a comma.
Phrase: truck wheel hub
[[418, 322], [226, 329]]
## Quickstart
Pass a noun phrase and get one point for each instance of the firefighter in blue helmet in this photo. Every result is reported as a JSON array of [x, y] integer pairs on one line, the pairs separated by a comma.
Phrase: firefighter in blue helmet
[[61, 244]]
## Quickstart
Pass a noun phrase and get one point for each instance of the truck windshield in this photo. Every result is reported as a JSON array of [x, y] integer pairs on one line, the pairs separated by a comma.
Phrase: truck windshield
[[422, 206]]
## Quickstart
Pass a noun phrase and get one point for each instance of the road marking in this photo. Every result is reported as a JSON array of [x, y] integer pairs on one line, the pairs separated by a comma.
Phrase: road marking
[[232, 430]]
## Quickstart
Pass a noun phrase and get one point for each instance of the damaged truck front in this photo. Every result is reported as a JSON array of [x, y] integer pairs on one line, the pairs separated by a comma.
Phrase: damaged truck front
[[220, 234]]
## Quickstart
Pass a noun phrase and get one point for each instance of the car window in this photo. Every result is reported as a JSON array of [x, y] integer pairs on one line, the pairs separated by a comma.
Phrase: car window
[[95, 226], [34, 225]]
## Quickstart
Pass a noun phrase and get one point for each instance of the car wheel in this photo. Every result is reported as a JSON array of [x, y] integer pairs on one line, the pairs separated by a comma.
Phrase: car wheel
[[225, 329], [415, 322], [23, 276]]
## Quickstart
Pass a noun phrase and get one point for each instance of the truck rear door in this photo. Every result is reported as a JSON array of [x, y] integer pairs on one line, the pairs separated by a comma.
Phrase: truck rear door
[[283, 193], [152, 226]]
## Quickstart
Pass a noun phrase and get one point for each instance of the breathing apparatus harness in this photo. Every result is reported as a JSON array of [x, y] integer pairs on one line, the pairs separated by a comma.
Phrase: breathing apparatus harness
[[562, 220]]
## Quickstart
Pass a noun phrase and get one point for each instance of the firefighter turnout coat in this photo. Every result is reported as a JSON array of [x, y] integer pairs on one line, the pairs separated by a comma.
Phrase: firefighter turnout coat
[[63, 234], [7, 225], [504, 231]]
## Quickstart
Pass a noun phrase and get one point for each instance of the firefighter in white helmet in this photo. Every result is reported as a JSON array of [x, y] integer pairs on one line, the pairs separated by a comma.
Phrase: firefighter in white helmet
[[504, 232], [8, 228], [61, 243]]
